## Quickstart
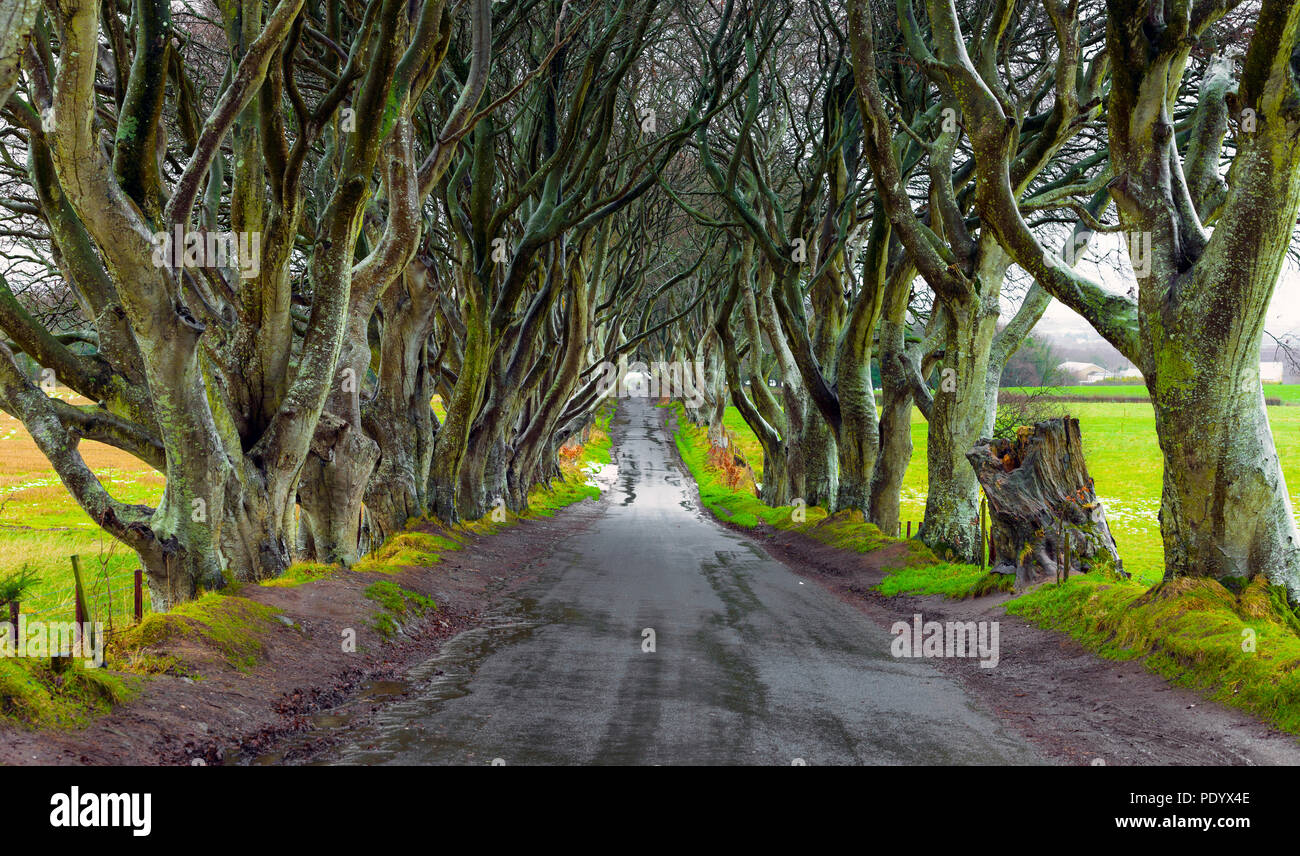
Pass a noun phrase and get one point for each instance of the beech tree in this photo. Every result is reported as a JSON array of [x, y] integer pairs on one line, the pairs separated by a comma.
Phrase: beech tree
[[176, 394], [259, 238], [961, 260], [1207, 249], [216, 374], [785, 167]]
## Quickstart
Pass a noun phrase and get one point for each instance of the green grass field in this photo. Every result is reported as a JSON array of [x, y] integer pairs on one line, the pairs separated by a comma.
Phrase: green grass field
[[41, 527], [1286, 393], [1119, 440], [1135, 390]]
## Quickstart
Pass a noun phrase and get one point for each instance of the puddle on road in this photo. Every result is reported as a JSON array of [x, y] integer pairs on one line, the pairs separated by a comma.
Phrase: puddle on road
[[603, 476], [444, 677]]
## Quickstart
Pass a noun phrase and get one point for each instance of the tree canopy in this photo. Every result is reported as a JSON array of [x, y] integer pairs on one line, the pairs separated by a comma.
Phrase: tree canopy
[[256, 239]]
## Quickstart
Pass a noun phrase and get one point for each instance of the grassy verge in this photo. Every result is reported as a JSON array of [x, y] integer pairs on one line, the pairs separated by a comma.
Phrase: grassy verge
[[230, 626], [950, 579], [34, 696], [1240, 648], [846, 530], [397, 605]]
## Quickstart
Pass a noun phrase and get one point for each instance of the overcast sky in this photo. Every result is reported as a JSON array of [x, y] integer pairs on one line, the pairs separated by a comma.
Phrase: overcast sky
[[1106, 254]]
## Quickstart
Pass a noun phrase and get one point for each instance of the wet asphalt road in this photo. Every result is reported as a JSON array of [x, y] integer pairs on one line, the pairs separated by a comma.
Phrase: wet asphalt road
[[751, 665]]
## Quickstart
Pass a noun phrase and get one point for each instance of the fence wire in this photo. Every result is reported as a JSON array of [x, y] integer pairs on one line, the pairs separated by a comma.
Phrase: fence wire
[[110, 600]]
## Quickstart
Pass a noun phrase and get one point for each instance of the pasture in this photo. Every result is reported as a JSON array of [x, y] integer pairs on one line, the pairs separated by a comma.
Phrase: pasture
[[41, 525]]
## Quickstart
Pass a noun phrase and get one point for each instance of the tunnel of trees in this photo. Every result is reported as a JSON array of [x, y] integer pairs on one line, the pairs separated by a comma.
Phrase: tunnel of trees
[[258, 237]]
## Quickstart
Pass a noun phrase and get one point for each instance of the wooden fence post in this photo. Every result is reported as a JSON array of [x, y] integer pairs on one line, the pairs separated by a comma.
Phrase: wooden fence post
[[984, 516], [82, 612], [13, 621], [139, 595]]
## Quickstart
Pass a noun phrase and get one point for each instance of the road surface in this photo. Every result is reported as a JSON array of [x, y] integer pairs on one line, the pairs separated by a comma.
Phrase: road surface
[[751, 665]]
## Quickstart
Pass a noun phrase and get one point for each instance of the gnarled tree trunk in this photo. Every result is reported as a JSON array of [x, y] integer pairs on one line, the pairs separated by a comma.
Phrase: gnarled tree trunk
[[1041, 498]]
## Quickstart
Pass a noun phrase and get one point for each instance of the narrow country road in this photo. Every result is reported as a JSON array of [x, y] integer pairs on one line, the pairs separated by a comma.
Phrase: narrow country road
[[751, 665]]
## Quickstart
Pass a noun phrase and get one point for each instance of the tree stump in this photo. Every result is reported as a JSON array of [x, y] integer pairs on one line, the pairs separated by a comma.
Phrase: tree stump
[[1041, 503]]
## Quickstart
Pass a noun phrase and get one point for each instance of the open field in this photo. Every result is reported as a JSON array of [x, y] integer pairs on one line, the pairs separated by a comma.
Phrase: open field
[[1119, 440], [1285, 393], [41, 525]]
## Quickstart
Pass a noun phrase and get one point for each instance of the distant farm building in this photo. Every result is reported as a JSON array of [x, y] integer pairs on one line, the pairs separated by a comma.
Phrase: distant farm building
[[1082, 372], [1076, 372]]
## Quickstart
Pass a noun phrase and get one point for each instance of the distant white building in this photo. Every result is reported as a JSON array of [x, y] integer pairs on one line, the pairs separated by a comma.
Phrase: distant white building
[[1083, 372], [1269, 372]]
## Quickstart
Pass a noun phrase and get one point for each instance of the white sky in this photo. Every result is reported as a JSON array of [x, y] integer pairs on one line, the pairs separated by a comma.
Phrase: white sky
[[1100, 263]]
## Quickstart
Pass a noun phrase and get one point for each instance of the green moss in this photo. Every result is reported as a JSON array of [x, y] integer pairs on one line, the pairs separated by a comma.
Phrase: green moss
[[384, 625], [301, 572], [396, 603], [231, 626], [1240, 649], [849, 530], [34, 696], [406, 550], [944, 578], [126, 129], [395, 599], [545, 500]]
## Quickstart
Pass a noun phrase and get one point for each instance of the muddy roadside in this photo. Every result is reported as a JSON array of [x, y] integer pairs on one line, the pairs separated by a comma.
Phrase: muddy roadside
[[224, 715], [1075, 707]]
